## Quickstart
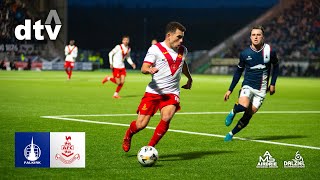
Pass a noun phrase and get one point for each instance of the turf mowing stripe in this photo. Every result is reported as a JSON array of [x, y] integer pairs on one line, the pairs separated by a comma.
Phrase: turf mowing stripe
[[190, 113], [83, 120], [182, 131]]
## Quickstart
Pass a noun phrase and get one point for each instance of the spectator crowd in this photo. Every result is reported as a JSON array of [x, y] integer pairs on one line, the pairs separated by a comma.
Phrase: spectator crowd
[[295, 34]]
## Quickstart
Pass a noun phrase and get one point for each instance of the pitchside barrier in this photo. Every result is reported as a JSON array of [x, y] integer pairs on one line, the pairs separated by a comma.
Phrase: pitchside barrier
[[47, 66], [84, 66]]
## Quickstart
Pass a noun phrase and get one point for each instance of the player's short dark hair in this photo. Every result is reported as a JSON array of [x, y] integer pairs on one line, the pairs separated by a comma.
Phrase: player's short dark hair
[[173, 26], [125, 36], [257, 27]]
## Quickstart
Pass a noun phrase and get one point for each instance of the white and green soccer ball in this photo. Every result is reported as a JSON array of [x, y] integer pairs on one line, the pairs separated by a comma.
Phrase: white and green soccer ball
[[147, 156]]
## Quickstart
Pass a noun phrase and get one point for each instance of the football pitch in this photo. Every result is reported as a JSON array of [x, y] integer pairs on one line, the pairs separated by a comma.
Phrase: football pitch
[[288, 121]]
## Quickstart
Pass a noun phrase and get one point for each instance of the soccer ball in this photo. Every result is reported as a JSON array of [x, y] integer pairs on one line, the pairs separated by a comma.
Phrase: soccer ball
[[147, 156]]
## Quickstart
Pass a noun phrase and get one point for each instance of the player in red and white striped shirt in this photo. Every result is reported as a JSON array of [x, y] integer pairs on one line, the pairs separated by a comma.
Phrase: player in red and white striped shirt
[[116, 59], [165, 61], [71, 52]]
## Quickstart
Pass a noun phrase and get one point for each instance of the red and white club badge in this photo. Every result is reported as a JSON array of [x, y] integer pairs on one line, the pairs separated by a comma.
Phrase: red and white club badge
[[67, 155], [67, 149]]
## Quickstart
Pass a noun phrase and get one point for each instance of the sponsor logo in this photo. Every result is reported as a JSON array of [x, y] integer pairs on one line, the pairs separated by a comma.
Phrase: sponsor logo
[[267, 161], [297, 162], [38, 27], [259, 66], [249, 58]]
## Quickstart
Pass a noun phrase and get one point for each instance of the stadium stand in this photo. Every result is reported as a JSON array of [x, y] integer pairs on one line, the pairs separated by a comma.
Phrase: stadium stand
[[294, 32], [28, 54]]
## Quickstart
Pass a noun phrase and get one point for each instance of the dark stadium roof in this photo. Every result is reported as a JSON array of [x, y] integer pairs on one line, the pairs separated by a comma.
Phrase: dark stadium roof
[[175, 3]]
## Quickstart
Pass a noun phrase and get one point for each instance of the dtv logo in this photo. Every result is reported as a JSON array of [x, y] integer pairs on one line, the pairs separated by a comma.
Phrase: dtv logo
[[38, 27]]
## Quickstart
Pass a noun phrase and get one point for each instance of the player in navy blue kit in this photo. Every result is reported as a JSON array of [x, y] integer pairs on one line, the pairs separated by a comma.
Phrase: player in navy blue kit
[[256, 61]]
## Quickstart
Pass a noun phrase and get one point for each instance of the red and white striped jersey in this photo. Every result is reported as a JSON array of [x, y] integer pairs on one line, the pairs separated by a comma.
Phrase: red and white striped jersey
[[71, 53], [167, 79], [118, 54]]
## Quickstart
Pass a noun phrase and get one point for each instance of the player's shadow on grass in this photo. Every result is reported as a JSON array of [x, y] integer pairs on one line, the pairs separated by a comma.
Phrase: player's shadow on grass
[[280, 137], [190, 155]]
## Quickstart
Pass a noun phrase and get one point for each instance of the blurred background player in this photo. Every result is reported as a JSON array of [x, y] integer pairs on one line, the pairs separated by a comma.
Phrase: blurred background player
[[116, 59], [71, 52], [256, 61], [164, 61]]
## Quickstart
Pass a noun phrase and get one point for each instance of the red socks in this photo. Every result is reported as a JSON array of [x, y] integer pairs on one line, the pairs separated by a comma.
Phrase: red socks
[[160, 131], [132, 130], [69, 72], [113, 80], [119, 88]]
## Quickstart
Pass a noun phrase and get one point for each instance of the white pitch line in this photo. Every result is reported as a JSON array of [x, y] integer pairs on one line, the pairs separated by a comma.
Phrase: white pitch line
[[182, 131], [192, 113]]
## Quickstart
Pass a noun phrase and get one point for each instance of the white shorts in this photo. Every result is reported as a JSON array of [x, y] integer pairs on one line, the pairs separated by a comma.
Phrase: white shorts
[[256, 97]]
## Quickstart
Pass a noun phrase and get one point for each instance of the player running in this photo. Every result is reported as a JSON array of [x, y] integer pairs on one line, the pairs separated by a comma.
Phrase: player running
[[164, 61], [71, 52], [256, 61], [116, 59]]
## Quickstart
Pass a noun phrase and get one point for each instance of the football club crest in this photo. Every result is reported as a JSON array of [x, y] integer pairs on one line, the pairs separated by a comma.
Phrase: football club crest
[[67, 155], [67, 149], [50, 149], [32, 149], [144, 108], [32, 152]]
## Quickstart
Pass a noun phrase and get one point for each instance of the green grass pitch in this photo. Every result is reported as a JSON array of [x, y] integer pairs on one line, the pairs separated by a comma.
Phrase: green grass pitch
[[26, 96]]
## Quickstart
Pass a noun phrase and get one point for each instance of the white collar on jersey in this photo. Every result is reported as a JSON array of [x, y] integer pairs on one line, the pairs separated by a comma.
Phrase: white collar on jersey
[[259, 49]]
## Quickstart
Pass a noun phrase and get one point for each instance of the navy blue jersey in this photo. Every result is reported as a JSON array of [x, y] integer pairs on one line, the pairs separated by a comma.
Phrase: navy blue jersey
[[257, 67]]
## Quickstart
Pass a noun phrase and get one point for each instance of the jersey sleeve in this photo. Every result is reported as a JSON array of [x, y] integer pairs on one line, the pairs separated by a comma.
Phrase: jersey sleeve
[[241, 63], [185, 53], [274, 57], [75, 53], [112, 52], [151, 55], [66, 51], [275, 69], [237, 74], [129, 59]]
